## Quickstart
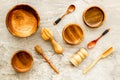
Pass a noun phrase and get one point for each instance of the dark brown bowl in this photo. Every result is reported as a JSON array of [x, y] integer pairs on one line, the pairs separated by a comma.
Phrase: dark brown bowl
[[73, 34], [22, 61], [94, 17], [22, 20]]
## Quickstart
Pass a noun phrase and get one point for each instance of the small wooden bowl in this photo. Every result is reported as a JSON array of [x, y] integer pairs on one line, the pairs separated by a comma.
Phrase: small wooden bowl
[[22, 61], [73, 34], [94, 17], [22, 20]]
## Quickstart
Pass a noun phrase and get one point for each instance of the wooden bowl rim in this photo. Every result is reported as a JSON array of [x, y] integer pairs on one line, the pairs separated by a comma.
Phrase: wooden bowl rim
[[22, 70], [67, 40], [36, 15], [92, 26]]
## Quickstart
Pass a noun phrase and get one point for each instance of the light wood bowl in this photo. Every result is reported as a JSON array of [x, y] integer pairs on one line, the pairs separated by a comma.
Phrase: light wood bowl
[[73, 34], [22, 20], [22, 61], [94, 17]]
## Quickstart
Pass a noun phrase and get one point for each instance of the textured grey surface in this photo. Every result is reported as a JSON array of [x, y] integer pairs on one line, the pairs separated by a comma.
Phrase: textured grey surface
[[50, 10]]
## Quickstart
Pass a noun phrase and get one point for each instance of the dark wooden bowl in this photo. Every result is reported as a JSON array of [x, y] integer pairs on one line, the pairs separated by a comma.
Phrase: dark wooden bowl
[[94, 17], [22, 61]]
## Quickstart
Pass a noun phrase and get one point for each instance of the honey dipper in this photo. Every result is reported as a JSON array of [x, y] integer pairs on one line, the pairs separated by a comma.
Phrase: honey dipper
[[47, 35], [104, 55], [39, 50]]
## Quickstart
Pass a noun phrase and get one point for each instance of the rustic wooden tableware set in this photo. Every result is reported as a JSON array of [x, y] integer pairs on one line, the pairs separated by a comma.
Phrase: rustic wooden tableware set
[[23, 21]]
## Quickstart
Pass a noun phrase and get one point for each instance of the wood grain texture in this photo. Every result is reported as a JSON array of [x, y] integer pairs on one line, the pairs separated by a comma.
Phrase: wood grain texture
[[73, 34], [94, 16], [49, 11], [22, 61], [22, 20]]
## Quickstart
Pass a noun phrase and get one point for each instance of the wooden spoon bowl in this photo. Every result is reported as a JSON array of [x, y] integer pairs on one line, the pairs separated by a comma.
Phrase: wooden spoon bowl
[[22, 61], [94, 17], [73, 34], [22, 20]]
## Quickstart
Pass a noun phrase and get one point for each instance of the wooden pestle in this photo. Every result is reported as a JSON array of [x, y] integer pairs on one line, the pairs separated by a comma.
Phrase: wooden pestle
[[47, 35], [105, 54], [40, 51]]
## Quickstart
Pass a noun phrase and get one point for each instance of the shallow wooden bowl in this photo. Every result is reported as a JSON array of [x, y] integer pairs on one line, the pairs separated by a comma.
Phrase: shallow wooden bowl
[[22, 61], [22, 20], [73, 34], [94, 17]]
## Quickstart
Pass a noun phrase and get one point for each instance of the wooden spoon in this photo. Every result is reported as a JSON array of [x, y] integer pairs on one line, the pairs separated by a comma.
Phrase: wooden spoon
[[93, 43], [104, 55], [47, 35], [39, 50], [70, 9]]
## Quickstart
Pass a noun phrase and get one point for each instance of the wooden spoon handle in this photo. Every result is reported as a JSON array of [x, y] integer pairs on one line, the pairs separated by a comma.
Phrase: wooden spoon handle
[[105, 32], [58, 49], [38, 49], [57, 21], [91, 65]]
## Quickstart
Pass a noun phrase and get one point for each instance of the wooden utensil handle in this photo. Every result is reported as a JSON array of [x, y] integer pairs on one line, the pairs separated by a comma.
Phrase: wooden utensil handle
[[51, 64], [105, 32], [38, 49], [91, 65], [58, 49], [54, 68], [57, 21]]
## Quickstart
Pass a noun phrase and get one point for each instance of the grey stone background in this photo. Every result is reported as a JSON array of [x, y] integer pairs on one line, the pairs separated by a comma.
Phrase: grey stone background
[[50, 10]]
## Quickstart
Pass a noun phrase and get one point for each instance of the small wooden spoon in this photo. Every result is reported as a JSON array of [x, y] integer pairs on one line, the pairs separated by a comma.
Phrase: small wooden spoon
[[22, 61], [93, 43], [70, 9], [47, 35], [104, 55]]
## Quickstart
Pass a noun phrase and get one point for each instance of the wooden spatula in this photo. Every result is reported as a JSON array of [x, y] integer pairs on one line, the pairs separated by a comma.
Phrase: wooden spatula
[[104, 55]]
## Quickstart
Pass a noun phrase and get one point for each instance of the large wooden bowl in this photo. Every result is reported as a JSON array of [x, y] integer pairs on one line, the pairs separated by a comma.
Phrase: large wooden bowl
[[94, 17], [73, 34], [22, 20], [22, 61]]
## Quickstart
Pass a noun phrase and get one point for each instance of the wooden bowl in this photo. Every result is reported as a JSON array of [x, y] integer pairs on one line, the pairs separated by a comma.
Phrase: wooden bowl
[[22, 20], [22, 61], [94, 17], [73, 34]]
